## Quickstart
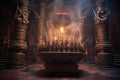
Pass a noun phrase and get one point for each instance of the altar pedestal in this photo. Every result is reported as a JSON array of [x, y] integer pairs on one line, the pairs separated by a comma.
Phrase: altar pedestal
[[61, 62]]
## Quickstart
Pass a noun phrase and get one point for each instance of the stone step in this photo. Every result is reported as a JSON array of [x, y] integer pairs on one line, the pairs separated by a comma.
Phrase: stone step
[[117, 64], [116, 59], [3, 62], [90, 62], [116, 56]]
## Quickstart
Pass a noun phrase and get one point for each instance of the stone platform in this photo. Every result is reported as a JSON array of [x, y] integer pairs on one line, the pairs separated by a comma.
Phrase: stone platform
[[38, 72], [61, 62]]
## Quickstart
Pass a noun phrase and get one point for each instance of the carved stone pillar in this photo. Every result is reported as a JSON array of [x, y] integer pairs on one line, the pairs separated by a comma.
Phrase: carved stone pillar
[[18, 43], [103, 45]]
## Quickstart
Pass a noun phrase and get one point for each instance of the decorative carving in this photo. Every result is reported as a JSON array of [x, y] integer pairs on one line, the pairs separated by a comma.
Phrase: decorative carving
[[21, 15], [101, 14]]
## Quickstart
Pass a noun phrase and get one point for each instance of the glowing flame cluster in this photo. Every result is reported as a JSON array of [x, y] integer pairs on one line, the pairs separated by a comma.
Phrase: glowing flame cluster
[[61, 42], [64, 34]]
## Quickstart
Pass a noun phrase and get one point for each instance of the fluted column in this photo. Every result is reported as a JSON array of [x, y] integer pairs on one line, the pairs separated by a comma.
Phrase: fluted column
[[18, 43], [103, 45]]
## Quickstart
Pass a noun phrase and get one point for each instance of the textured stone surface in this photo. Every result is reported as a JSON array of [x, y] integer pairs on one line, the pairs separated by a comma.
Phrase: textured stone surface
[[18, 44], [103, 44], [37, 72], [61, 61]]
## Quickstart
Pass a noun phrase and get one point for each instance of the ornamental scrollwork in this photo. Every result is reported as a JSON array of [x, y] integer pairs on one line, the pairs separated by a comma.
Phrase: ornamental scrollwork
[[101, 14], [21, 15]]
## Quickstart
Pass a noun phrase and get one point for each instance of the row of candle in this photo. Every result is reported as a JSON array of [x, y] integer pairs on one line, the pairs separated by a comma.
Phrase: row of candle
[[62, 46], [62, 43]]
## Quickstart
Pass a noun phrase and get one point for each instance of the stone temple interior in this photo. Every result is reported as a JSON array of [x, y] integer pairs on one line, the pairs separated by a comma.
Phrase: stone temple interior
[[59, 40]]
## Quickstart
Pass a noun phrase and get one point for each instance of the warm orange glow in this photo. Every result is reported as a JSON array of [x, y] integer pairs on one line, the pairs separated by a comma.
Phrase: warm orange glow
[[55, 38], [62, 13], [61, 29]]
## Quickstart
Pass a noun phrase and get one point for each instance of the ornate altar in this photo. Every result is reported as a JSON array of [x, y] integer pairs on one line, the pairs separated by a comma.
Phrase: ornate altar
[[61, 54], [61, 49]]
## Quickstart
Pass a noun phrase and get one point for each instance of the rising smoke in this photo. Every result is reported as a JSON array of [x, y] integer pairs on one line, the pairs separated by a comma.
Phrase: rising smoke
[[81, 24], [80, 20], [77, 10]]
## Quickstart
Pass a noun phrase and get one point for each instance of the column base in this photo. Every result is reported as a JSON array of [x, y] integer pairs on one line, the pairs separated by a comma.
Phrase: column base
[[3, 62], [17, 60], [104, 59]]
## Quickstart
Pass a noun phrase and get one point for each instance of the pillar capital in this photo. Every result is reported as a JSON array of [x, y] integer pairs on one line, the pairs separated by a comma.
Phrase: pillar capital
[[101, 12], [21, 15]]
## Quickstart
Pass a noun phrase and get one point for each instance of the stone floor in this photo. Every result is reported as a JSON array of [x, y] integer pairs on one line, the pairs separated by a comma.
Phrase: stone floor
[[37, 72]]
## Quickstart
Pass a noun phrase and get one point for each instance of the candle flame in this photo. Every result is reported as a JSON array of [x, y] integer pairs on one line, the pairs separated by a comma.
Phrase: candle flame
[[55, 38], [61, 29]]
